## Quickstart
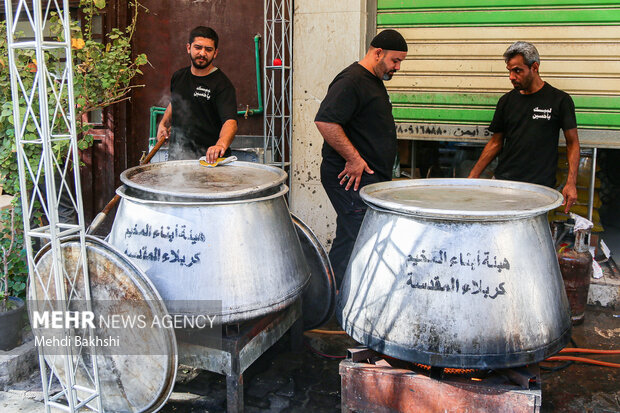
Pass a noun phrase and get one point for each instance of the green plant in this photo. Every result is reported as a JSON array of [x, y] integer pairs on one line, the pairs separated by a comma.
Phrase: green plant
[[14, 268], [103, 72]]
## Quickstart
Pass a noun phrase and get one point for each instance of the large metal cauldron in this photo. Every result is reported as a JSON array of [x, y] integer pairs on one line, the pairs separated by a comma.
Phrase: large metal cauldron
[[220, 233], [456, 273]]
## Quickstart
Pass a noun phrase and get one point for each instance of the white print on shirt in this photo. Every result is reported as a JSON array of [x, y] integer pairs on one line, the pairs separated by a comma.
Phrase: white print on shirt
[[202, 91], [541, 113]]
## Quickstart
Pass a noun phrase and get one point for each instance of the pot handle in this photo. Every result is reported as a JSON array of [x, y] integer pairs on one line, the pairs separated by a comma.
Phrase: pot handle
[[106, 210]]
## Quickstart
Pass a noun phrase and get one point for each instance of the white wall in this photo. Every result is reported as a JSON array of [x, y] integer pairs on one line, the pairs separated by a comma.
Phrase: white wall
[[327, 37]]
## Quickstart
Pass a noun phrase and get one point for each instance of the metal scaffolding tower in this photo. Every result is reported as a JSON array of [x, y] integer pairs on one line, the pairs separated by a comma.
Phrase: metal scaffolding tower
[[47, 154], [278, 67]]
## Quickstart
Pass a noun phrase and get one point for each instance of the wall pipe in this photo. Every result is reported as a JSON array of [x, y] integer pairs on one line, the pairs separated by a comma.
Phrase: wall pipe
[[155, 111], [259, 91]]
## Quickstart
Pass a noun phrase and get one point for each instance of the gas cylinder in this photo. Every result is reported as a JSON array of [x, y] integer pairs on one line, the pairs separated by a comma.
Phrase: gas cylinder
[[576, 267]]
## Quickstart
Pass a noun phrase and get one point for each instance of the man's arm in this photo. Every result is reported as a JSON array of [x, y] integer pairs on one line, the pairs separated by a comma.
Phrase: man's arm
[[227, 134], [572, 153], [163, 130], [355, 165], [490, 151]]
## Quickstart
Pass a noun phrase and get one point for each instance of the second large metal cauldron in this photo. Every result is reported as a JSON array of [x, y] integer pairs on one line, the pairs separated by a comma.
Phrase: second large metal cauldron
[[220, 234], [456, 273]]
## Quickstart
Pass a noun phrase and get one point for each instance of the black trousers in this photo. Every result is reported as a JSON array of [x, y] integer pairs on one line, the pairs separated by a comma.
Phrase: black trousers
[[350, 210]]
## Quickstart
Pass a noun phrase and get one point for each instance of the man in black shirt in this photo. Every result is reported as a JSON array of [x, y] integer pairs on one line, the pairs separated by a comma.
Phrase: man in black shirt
[[356, 121], [526, 127], [201, 119]]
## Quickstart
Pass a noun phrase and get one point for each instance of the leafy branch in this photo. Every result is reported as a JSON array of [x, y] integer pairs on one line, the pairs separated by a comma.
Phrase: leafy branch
[[104, 70]]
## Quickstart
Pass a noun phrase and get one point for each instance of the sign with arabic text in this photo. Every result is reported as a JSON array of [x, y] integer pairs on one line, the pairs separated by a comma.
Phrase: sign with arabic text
[[168, 244], [458, 272]]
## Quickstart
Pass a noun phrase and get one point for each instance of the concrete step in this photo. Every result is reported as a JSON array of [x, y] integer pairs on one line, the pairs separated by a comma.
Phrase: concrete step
[[605, 291]]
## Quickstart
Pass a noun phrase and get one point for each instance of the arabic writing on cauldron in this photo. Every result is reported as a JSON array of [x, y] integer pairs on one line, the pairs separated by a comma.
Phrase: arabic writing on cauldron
[[172, 256], [178, 232], [479, 260], [455, 286]]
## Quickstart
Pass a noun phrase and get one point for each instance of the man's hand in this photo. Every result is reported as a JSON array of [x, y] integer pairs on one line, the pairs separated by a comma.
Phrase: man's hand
[[572, 155], [163, 132], [354, 165], [570, 196], [214, 152], [352, 172], [490, 151]]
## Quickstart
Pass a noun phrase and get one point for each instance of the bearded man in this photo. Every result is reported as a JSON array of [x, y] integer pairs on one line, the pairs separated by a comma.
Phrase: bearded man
[[201, 119], [526, 127], [356, 122]]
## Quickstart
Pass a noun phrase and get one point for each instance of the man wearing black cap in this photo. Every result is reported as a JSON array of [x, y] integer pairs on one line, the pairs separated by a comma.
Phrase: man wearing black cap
[[356, 121]]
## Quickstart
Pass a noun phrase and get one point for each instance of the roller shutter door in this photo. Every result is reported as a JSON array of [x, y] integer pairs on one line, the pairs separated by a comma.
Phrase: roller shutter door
[[454, 73]]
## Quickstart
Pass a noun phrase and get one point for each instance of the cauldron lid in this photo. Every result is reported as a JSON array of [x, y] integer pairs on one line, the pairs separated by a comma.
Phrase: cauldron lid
[[136, 373], [189, 179], [466, 199], [319, 297]]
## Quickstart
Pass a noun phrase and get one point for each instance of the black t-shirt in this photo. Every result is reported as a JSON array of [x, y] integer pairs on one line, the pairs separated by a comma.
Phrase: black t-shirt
[[200, 106], [531, 127], [358, 101]]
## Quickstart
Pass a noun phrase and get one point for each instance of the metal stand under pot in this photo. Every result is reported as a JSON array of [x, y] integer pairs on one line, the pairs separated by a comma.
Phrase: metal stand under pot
[[372, 382], [241, 345]]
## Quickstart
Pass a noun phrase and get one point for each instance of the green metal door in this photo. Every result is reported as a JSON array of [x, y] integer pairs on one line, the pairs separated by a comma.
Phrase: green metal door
[[454, 74]]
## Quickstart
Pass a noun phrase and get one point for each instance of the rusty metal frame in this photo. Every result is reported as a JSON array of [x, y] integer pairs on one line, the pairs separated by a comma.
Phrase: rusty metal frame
[[248, 342], [389, 385]]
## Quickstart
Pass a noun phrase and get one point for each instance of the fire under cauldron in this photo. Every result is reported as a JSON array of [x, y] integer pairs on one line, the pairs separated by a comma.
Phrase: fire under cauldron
[[456, 273], [205, 235]]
